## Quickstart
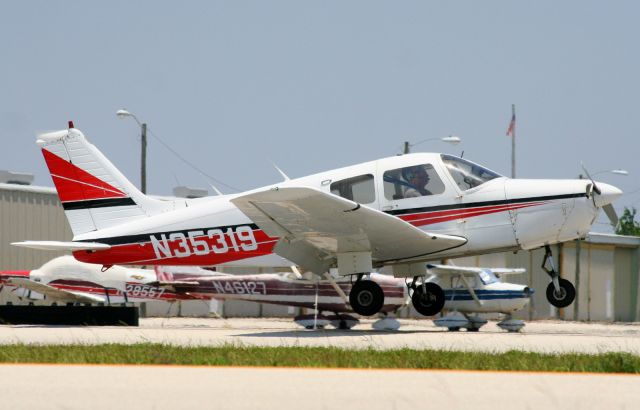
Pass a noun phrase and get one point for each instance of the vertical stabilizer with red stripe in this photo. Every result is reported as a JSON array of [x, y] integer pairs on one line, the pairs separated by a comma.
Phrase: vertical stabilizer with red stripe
[[94, 194]]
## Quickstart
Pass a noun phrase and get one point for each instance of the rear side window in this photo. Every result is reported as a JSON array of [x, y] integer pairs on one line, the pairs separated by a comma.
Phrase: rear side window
[[359, 189]]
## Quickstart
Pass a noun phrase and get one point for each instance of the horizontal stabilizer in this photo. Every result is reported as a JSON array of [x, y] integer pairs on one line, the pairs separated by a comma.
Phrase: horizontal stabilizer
[[55, 293], [63, 246]]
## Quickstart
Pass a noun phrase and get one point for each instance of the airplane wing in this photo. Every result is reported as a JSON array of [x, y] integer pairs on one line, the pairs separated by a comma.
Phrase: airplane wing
[[62, 246], [54, 293], [314, 226], [450, 270]]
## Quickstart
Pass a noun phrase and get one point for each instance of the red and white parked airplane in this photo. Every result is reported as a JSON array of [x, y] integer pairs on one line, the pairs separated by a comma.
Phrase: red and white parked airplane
[[399, 211]]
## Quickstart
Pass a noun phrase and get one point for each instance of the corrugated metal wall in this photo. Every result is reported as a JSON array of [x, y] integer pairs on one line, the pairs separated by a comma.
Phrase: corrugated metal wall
[[28, 213]]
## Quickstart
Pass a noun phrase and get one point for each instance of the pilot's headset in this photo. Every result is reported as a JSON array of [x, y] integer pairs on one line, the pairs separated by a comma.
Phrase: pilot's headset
[[409, 172]]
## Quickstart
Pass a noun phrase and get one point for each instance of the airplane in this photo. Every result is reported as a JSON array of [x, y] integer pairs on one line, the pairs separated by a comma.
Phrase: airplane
[[470, 290], [65, 280], [399, 212], [327, 296]]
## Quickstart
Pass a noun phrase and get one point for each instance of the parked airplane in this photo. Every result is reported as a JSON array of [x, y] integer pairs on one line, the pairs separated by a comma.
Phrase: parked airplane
[[400, 211], [327, 296], [468, 290], [65, 280], [472, 291]]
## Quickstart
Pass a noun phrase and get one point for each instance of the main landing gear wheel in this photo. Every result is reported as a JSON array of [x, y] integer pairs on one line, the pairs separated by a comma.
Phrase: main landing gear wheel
[[564, 296], [366, 297], [428, 299]]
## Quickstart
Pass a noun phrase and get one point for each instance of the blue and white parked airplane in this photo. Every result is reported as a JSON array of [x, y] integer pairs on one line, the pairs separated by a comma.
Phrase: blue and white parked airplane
[[472, 291]]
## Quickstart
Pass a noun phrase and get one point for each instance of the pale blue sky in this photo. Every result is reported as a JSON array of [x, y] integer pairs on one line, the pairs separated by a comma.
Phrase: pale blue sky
[[318, 85]]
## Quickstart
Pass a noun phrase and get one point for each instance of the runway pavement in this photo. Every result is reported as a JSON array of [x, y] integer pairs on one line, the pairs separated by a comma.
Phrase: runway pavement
[[171, 387], [420, 334]]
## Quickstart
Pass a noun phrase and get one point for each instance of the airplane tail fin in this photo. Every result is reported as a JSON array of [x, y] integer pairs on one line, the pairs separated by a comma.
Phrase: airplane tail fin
[[93, 193]]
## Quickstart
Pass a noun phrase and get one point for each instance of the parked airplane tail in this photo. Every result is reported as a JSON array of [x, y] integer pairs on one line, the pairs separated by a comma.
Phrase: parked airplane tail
[[94, 194]]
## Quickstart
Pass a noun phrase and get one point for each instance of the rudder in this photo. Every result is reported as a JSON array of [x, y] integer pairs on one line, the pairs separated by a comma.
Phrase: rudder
[[93, 193]]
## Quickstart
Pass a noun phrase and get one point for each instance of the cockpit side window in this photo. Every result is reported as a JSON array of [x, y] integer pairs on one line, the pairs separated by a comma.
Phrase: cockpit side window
[[466, 174], [487, 276], [359, 189], [412, 182]]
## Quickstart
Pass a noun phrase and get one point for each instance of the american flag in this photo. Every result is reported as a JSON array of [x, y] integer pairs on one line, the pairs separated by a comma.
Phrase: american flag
[[512, 126]]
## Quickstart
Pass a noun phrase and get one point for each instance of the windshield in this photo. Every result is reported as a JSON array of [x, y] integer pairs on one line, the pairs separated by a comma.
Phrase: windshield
[[467, 174], [487, 276]]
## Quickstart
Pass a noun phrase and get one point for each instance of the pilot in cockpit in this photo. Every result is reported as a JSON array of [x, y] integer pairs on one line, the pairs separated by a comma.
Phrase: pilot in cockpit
[[417, 179]]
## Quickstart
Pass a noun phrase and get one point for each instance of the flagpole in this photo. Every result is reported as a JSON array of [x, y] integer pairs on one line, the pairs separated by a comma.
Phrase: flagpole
[[513, 142]]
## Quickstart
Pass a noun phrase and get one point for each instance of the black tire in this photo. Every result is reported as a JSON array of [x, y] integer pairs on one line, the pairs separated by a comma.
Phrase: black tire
[[430, 301], [366, 297], [566, 296], [473, 329], [454, 329]]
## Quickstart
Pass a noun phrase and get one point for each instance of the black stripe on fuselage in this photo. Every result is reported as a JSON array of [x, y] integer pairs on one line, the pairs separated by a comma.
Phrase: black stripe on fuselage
[[142, 238], [97, 203], [485, 203]]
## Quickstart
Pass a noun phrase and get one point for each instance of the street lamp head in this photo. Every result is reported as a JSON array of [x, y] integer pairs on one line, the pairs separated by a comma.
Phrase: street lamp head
[[452, 139], [123, 114], [620, 171]]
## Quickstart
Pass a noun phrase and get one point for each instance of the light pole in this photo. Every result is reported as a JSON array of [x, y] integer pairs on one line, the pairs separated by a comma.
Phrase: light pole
[[451, 139], [143, 155]]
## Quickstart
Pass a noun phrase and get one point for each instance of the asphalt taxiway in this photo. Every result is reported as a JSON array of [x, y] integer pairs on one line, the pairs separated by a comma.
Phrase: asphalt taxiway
[[171, 387], [31, 386], [539, 336]]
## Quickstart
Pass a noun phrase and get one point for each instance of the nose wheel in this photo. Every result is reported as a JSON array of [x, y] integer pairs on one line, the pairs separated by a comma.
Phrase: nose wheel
[[427, 298], [366, 297], [560, 292], [563, 296]]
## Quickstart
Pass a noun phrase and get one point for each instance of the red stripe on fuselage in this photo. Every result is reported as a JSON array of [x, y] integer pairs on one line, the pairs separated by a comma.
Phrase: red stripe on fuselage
[[428, 218], [145, 254], [75, 184]]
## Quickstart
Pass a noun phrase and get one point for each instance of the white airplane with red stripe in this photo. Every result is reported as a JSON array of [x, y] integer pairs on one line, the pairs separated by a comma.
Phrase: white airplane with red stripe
[[399, 211]]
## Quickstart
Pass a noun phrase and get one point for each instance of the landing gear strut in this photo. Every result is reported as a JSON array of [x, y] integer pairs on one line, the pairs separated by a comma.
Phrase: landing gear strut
[[366, 297], [560, 292], [427, 297]]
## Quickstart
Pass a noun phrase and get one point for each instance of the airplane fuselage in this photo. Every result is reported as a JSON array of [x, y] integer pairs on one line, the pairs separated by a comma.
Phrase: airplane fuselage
[[493, 214]]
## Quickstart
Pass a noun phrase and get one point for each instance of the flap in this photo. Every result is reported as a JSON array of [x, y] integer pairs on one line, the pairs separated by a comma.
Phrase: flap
[[318, 225], [54, 293]]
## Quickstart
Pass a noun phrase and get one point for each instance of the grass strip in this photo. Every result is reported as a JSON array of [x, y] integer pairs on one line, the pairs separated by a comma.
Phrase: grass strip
[[328, 357]]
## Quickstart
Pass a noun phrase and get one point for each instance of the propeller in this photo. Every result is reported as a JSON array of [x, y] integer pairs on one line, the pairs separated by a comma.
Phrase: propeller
[[611, 213], [608, 209]]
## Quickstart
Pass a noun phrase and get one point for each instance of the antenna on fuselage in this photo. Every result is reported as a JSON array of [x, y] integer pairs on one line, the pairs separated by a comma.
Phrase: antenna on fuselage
[[217, 191], [285, 176]]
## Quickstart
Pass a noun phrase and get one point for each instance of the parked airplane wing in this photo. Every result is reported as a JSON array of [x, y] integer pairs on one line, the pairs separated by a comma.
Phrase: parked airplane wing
[[54, 293], [314, 226], [63, 246], [448, 270]]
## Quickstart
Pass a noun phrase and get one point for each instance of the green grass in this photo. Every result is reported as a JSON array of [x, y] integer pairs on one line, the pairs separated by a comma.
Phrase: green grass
[[231, 355]]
